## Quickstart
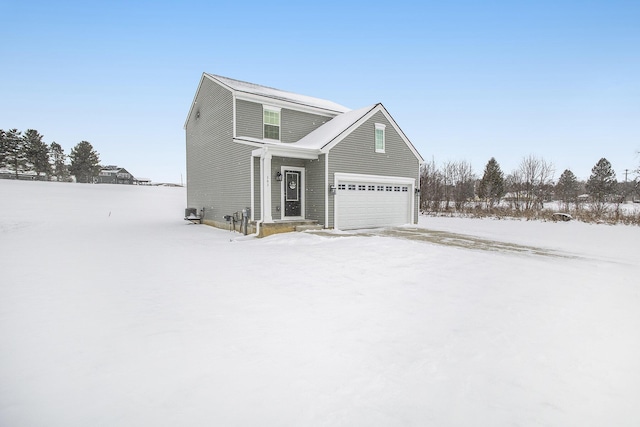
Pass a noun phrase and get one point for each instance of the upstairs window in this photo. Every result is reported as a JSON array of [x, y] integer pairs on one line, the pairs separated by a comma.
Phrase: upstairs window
[[379, 138], [271, 118]]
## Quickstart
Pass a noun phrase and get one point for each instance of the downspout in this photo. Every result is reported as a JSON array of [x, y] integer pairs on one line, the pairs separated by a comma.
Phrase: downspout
[[261, 220]]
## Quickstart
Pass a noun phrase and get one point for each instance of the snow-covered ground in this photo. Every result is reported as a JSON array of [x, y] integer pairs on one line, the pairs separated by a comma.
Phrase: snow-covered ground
[[116, 312]]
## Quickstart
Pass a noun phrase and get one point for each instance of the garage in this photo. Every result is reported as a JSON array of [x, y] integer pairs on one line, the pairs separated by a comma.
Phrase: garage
[[367, 201]]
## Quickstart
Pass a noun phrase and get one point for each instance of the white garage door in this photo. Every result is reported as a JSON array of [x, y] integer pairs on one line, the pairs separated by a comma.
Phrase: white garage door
[[369, 203]]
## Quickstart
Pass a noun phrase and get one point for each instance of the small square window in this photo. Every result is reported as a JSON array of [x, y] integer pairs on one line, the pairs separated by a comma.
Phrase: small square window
[[362, 187], [380, 187], [372, 188], [405, 189], [352, 187], [389, 188], [396, 188], [342, 186]]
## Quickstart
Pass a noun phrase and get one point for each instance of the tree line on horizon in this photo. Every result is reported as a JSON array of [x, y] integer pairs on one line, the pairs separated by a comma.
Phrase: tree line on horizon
[[27, 153], [453, 187]]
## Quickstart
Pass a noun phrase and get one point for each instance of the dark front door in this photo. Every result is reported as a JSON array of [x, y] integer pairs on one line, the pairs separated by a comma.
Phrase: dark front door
[[292, 202]]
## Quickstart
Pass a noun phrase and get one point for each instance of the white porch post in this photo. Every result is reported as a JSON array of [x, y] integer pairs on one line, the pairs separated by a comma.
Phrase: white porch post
[[265, 173], [252, 191]]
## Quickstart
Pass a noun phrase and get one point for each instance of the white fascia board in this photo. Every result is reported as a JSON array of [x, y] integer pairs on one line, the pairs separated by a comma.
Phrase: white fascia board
[[193, 103], [357, 177], [273, 102], [374, 110], [291, 152], [402, 135], [351, 128]]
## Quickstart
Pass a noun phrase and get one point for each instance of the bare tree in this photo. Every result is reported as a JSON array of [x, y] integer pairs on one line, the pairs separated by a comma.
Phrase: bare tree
[[463, 183], [431, 187], [537, 180], [448, 171], [514, 184]]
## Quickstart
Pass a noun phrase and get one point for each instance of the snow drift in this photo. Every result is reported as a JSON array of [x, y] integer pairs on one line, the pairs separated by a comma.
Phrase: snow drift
[[115, 311]]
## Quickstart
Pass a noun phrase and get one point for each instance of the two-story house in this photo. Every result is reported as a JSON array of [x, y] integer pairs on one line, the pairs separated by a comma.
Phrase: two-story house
[[114, 175], [294, 159]]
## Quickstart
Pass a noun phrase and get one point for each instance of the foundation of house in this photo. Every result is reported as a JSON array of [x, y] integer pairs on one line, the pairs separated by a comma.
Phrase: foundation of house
[[267, 229]]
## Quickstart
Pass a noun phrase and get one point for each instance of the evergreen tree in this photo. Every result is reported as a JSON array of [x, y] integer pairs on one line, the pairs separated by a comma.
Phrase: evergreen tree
[[37, 153], [14, 156], [567, 188], [491, 187], [85, 162], [602, 184], [58, 162], [2, 149]]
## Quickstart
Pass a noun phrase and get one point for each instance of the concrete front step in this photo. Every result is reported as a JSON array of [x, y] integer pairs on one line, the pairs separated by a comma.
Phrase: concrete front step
[[267, 229], [309, 227]]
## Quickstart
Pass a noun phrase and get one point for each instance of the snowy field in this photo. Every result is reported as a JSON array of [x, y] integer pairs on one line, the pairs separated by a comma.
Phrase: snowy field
[[115, 312]]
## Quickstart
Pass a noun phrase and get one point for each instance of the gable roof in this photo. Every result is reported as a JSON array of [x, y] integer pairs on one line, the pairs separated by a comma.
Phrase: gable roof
[[277, 94], [328, 135]]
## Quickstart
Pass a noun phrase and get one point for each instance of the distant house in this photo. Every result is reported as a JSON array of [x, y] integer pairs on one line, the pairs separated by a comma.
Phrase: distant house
[[115, 175], [293, 159], [142, 181]]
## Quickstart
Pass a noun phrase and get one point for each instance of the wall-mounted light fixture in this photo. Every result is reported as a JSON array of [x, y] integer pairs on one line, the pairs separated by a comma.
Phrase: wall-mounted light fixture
[[417, 191], [332, 189], [278, 176]]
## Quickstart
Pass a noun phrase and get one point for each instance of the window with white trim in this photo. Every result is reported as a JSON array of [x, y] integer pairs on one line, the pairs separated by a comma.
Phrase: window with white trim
[[271, 119], [379, 138]]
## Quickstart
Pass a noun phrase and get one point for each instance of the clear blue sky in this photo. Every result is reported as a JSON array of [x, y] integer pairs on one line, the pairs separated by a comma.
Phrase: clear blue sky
[[465, 80]]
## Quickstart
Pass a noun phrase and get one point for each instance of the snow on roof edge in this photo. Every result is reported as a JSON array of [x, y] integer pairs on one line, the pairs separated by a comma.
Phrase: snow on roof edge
[[270, 92]]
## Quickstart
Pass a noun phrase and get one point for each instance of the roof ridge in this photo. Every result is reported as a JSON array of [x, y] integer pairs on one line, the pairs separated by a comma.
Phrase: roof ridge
[[250, 83], [278, 94]]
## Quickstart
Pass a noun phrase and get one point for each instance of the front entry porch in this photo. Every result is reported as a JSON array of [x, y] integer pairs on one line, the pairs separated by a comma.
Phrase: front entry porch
[[279, 190]]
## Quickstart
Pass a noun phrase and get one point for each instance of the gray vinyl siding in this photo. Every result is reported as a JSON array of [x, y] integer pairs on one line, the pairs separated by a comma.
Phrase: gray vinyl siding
[[356, 154], [217, 168], [293, 124], [315, 189], [249, 119]]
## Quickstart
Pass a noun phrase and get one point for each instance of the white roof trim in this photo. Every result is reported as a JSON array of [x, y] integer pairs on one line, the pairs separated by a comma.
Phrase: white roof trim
[[193, 103], [277, 103], [242, 88], [278, 148], [282, 151]]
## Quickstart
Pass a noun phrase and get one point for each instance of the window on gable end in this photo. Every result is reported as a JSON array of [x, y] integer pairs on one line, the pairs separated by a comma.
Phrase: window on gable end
[[271, 120], [379, 138]]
